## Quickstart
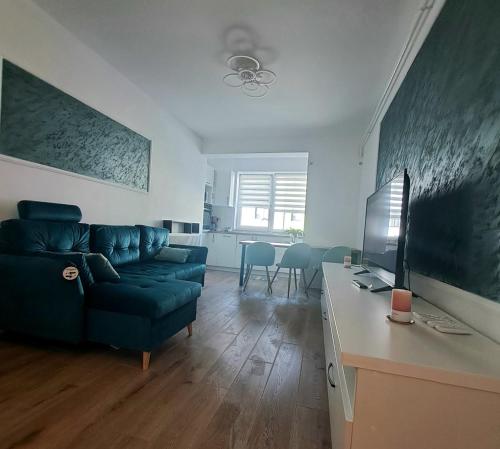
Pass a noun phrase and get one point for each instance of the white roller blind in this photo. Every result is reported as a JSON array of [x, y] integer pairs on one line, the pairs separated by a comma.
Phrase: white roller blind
[[255, 190], [290, 192]]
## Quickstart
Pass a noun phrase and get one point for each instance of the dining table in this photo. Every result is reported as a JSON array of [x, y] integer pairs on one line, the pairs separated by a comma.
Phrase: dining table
[[245, 243]]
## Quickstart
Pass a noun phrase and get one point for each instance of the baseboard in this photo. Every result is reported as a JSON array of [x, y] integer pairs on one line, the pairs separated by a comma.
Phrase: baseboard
[[479, 313]]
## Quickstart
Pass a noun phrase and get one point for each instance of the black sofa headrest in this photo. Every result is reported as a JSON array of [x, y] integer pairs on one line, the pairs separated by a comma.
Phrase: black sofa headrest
[[41, 211]]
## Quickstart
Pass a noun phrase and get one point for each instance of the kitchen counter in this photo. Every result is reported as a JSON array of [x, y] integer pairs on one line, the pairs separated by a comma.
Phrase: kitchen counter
[[239, 232]]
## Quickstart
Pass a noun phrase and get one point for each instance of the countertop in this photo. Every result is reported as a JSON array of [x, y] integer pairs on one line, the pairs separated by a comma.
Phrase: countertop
[[270, 234]]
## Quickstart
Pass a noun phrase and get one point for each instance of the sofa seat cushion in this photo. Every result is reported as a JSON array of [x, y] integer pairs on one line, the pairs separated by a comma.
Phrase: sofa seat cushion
[[162, 270], [144, 297]]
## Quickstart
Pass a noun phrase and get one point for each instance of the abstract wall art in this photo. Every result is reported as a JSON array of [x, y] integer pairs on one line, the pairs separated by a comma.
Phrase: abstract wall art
[[444, 127], [40, 123]]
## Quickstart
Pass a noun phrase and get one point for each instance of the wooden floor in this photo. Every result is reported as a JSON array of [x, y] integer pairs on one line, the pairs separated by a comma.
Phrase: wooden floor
[[252, 376]]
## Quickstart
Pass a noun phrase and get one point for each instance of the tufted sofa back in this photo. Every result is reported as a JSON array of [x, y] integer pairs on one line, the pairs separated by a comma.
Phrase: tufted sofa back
[[152, 240], [30, 236], [44, 227], [120, 244]]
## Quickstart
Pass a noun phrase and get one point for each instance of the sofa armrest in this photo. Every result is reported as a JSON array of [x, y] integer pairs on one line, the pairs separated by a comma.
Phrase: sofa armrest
[[198, 253], [35, 298]]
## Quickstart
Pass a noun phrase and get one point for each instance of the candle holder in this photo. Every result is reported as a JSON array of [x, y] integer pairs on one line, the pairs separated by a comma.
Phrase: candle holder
[[412, 321], [401, 306]]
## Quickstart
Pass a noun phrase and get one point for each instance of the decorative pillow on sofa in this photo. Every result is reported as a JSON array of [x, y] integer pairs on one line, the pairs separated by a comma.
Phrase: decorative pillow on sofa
[[101, 268], [74, 259], [176, 255]]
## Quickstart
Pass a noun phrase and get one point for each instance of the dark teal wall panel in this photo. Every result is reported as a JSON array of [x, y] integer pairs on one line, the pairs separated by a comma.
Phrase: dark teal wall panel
[[444, 126], [42, 124]]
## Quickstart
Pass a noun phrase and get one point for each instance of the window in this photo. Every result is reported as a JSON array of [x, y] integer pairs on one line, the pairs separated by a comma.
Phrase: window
[[271, 201]]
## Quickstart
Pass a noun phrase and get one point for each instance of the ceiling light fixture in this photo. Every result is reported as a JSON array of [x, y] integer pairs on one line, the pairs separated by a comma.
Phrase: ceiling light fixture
[[249, 76]]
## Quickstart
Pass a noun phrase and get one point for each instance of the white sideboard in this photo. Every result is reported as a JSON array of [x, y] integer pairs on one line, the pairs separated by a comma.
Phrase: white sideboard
[[394, 386]]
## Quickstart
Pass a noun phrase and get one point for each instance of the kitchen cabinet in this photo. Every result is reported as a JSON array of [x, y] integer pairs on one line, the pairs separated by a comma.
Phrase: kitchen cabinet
[[224, 249], [224, 187], [208, 240], [221, 249]]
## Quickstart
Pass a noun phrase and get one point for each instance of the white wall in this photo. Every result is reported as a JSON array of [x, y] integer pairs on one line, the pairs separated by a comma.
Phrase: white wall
[[332, 182], [254, 162], [480, 313], [33, 40]]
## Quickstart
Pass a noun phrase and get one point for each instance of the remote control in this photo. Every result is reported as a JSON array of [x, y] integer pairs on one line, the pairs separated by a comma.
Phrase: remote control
[[359, 284], [447, 329], [442, 322]]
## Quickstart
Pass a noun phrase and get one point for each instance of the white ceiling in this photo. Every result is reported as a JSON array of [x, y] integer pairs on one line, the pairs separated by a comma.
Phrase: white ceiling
[[332, 57]]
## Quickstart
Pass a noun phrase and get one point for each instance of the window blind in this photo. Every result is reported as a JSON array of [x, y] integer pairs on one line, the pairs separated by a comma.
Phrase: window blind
[[290, 192], [255, 190]]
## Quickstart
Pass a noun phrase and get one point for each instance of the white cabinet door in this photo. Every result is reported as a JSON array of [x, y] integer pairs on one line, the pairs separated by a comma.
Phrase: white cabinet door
[[225, 250], [209, 242]]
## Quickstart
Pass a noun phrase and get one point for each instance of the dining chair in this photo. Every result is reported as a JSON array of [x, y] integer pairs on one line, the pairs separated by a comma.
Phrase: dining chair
[[295, 256], [334, 255], [260, 254]]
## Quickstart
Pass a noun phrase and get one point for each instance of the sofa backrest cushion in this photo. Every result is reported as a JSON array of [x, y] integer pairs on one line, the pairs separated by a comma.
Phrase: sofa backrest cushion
[[119, 244], [30, 236], [39, 210], [152, 241]]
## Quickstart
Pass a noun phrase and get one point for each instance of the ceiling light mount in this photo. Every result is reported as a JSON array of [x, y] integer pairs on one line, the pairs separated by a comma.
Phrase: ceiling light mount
[[248, 74]]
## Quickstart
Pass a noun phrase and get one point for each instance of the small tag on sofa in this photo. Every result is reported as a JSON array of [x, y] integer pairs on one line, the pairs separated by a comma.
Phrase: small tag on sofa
[[70, 273]]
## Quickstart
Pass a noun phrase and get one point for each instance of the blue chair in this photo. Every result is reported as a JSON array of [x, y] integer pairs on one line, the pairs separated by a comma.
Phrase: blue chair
[[260, 254], [296, 256], [334, 255]]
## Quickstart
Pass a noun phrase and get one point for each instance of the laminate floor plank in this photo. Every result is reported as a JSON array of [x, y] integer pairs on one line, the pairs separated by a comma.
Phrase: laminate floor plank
[[310, 429], [48, 428], [231, 425], [271, 429], [269, 342], [224, 372], [312, 385]]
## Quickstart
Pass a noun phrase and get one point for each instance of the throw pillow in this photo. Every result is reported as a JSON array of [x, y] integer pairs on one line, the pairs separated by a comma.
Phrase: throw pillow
[[101, 268], [175, 255], [74, 259]]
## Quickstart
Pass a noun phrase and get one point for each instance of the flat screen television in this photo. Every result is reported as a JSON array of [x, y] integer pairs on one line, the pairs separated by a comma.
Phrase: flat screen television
[[385, 232]]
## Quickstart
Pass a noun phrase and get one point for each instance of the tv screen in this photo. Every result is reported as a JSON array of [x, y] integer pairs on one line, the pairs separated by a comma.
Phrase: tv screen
[[385, 231]]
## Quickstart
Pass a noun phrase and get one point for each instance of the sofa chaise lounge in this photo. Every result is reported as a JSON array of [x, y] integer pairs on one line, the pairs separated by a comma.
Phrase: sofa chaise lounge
[[151, 301]]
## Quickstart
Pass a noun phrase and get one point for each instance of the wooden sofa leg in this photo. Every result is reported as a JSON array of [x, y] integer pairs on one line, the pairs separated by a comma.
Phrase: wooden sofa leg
[[190, 329], [146, 356]]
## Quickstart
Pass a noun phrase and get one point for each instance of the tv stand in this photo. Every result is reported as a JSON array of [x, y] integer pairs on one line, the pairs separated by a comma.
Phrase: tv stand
[[392, 386]]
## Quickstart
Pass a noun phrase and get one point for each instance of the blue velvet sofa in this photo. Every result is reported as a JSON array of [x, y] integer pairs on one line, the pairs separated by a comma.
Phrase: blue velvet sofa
[[150, 302]]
